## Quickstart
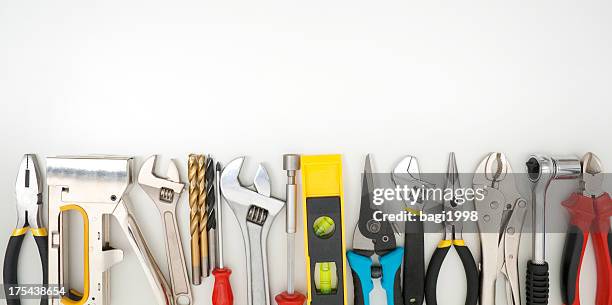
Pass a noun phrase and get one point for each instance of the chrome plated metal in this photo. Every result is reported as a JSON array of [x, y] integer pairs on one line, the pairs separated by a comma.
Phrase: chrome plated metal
[[542, 170], [97, 186], [501, 214], [291, 164], [28, 191], [255, 210], [165, 193]]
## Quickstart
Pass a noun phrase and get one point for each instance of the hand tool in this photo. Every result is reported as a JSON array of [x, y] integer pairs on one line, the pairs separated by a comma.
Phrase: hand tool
[[95, 187], [407, 173], [590, 210], [453, 236], [323, 213], [165, 193], [255, 211], [542, 170], [501, 214], [291, 164], [374, 255], [208, 232], [28, 192], [194, 219], [203, 216], [222, 290]]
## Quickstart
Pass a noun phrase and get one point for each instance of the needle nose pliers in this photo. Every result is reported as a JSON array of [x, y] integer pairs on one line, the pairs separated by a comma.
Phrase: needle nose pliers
[[453, 236], [590, 211], [28, 191]]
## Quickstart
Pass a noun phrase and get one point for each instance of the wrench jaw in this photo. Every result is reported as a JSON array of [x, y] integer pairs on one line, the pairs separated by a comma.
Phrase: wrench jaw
[[255, 211]]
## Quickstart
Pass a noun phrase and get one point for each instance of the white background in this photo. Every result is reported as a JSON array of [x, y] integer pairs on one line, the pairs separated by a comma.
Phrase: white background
[[263, 78]]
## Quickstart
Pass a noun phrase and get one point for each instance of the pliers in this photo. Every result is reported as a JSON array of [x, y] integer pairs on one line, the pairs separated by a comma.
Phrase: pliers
[[453, 236], [501, 214], [28, 192], [374, 255], [590, 210]]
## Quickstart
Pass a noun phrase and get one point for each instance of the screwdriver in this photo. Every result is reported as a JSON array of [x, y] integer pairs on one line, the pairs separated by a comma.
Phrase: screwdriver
[[291, 164], [222, 289]]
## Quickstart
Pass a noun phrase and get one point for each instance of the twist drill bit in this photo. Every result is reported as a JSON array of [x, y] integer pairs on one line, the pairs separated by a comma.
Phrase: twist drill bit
[[211, 223], [202, 213], [194, 220]]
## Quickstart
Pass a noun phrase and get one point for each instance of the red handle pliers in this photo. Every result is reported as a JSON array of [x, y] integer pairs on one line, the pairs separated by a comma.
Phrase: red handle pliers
[[590, 211]]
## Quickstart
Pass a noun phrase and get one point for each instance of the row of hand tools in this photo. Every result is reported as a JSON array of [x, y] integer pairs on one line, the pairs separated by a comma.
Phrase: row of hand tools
[[96, 188], [501, 214]]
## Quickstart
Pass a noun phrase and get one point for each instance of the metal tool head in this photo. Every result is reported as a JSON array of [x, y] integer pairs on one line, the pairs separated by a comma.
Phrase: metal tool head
[[451, 184], [492, 169], [258, 193], [592, 175], [407, 173], [542, 169], [371, 236], [28, 192], [148, 177]]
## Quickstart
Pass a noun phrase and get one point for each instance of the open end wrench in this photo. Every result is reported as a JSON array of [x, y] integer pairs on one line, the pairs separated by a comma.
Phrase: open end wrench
[[165, 193], [255, 210]]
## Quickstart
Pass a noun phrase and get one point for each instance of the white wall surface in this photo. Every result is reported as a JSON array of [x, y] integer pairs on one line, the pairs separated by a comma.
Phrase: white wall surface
[[263, 78]]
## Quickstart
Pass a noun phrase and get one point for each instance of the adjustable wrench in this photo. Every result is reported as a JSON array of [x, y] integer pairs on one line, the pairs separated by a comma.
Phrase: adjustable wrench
[[165, 193], [255, 210]]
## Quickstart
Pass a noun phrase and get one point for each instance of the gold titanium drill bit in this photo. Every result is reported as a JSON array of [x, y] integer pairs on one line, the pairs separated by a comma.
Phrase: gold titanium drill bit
[[202, 215], [194, 220], [211, 223]]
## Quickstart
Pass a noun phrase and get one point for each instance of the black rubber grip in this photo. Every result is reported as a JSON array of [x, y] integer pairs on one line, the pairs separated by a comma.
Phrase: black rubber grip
[[570, 263], [537, 284], [414, 263], [359, 298], [471, 274], [11, 262], [433, 271], [41, 242]]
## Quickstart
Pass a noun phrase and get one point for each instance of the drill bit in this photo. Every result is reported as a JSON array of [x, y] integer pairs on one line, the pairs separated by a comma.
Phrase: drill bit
[[194, 220], [203, 216], [211, 223]]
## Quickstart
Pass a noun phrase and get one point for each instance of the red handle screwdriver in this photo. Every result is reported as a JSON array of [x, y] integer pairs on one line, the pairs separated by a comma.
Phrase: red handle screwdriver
[[222, 289], [291, 164]]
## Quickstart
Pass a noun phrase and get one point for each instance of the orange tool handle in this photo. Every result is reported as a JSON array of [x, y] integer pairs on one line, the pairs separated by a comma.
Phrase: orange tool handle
[[222, 290], [286, 298], [602, 242], [582, 216]]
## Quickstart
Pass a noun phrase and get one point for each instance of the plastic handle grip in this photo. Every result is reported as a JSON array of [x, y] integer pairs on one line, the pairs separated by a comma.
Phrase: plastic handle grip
[[471, 274], [361, 267], [391, 279], [433, 271], [222, 289], [538, 285], [11, 260], [573, 252], [285, 298], [414, 263]]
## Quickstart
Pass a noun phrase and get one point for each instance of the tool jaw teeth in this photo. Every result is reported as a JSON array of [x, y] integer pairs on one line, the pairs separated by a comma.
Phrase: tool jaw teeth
[[492, 169], [592, 175]]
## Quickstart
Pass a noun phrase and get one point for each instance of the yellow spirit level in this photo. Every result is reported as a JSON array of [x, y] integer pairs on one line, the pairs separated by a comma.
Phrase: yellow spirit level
[[324, 229]]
